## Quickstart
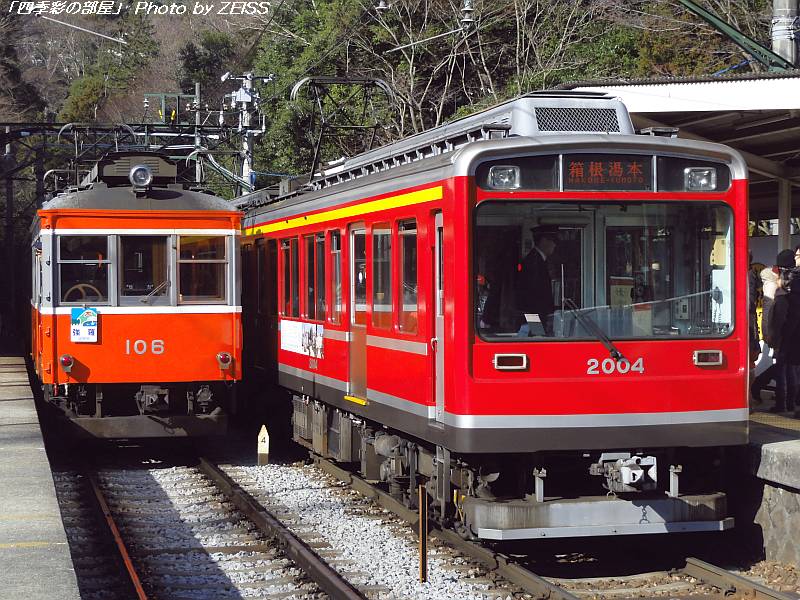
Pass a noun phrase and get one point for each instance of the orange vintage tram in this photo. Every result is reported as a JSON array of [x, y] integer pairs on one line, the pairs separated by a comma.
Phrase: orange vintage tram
[[136, 317], [395, 294]]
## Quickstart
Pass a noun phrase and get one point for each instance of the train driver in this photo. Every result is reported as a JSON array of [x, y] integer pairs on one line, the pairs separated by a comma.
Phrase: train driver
[[534, 289]]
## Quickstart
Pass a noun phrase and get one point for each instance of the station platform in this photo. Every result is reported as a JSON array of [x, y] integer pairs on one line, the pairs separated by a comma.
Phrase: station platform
[[34, 554], [775, 444], [773, 505]]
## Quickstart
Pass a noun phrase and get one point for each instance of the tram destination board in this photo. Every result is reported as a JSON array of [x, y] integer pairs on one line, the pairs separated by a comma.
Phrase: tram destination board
[[607, 172]]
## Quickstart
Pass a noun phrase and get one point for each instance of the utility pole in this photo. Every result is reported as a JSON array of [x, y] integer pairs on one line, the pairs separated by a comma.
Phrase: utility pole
[[8, 164], [245, 96], [198, 167], [785, 24], [241, 99]]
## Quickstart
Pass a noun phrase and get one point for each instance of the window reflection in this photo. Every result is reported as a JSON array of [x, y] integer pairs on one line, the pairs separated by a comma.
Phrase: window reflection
[[382, 278], [408, 277], [359, 277], [635, 269], [201, 269]]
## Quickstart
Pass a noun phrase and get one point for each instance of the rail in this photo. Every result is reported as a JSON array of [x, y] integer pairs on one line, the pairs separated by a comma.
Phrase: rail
[[494, 561], [730, 583], [325, 576], [123, 550], [727, 582]]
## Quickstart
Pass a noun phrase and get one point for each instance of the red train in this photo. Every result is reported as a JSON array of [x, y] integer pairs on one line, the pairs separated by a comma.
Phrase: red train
[[136, 316], [534, 310]]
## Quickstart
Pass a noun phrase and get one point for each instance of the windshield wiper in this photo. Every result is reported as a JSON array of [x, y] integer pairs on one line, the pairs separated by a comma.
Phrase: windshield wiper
[[154, 291], [593, 328]]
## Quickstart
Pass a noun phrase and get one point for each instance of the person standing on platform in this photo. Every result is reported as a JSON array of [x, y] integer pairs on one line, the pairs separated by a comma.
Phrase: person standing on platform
[[784, 331], [769, 286]]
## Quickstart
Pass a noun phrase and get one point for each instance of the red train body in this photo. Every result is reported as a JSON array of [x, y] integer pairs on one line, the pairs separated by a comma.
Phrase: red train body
[[136, 323], [393, 299]]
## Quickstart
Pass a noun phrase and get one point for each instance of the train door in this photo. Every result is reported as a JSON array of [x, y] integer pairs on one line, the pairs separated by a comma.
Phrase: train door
[[358, 311], [437, 343], [266, 313]]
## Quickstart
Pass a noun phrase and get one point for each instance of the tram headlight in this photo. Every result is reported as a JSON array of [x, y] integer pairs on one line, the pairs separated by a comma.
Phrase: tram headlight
[[505, 177], [700, 179], [140, 176]]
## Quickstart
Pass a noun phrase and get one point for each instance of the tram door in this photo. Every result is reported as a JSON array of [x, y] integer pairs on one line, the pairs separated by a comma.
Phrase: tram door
[[437, 343], [358, 312]]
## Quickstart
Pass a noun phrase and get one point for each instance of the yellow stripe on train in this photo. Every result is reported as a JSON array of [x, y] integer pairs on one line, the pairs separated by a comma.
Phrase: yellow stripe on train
[[418, 197]]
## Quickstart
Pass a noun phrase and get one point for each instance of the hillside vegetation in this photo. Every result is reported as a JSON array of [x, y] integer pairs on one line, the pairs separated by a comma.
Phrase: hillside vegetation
[[50, 72]]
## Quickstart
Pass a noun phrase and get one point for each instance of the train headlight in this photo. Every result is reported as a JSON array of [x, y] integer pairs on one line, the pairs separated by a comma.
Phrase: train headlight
[[66, 361], [700, 179], [140, 176], [224, 360], [505, 177]]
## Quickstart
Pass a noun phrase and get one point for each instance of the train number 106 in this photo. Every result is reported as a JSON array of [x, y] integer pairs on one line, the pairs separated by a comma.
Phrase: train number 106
[[142, 346], [608, 366]]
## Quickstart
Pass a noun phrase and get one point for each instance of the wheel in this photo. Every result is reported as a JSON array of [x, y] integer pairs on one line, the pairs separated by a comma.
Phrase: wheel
[[82, 288]]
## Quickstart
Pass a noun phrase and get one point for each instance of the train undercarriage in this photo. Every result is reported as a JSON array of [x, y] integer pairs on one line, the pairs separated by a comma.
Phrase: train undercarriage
[[144, 410], [527, 496]]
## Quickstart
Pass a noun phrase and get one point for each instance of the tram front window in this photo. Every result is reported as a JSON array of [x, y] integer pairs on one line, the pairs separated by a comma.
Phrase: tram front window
[[634, 270], [83, 264], [143, 263]]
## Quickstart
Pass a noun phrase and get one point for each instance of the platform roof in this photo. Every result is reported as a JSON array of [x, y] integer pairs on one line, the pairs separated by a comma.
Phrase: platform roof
[[758, 114]]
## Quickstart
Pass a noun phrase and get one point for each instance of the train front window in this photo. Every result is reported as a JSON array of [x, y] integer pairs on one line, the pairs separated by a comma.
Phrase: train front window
[[83, 265], [202, 266], [143, 267], [635, 270]]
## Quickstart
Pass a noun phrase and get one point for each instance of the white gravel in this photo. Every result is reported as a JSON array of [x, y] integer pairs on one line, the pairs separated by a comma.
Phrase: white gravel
[[165, 514], [381, 551]]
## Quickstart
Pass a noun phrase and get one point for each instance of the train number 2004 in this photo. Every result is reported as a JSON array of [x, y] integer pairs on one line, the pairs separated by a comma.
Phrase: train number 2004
[[608, 366], [141, 346]]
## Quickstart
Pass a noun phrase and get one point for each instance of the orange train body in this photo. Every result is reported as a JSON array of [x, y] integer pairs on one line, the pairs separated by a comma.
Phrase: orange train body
[[136, 308]]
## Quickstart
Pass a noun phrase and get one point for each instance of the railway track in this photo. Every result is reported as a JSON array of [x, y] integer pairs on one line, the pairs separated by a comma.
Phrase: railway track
[[695, 578], [188, 533]]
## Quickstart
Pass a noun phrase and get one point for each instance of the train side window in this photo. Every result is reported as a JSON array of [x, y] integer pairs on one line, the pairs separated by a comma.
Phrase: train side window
[[83, 268], [315, 276], [266, 275], [202, 264], [143, 268], [358, 298], [320, 284], [407, 294], [382, 277], [336, 276], [291, 269], [310, 278]]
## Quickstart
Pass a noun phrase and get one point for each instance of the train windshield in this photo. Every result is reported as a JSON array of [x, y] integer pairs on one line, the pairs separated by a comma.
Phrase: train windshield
[[630, 269]]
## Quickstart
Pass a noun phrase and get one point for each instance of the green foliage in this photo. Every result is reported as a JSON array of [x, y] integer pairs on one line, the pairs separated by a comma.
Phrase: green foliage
[[205, 61], [85, 96], [114, 69], [519, 46]]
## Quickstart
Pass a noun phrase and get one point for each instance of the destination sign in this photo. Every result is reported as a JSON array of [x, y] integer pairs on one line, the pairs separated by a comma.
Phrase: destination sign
[[607, 172]]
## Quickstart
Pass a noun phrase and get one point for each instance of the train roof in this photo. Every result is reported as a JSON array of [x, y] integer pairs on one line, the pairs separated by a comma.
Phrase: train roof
[[536, 114], [109, 186], [99, 196], [462, 162]]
